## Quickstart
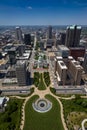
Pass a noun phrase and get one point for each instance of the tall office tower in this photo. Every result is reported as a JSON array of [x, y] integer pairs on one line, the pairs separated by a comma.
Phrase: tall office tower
[[49, 32], [27, 39], [12, 55], [85, 62], [73, 36], [19, 37], [21, 49], [21, 73], [75, 71], [62, 38]]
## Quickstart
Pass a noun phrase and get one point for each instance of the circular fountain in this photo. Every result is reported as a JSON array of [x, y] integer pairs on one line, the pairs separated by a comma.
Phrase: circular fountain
[[42, 105]]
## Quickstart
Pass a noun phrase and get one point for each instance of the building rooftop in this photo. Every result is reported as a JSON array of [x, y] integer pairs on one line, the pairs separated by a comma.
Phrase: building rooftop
[[77, 48], [78, 27], [59, 57], [17, 27], [62, 65], [81, 58], [62, 47], [12, 49], [76, 64], [20, 62], [70, 57], [10, 80], [72, 27]]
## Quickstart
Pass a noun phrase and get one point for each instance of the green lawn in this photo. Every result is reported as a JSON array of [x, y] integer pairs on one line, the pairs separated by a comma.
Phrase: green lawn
[[41, 86], [10, 119], [43, 121], [75, 111], [38, 81]]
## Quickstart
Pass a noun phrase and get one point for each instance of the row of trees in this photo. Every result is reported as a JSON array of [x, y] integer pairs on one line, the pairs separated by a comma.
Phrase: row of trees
[[36, 79], [47, 78]]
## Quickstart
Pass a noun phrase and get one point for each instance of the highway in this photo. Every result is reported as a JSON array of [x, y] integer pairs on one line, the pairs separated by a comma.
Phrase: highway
[[15, 91]]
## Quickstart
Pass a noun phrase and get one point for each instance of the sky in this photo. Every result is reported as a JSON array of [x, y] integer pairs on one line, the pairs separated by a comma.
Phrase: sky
[[43, 12]]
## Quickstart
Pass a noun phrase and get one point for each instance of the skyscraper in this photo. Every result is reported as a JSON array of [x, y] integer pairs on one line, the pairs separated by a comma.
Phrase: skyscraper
[[27, 39], [73, 36], [19, 37], [63, 38], [12, 55], [49, 33]]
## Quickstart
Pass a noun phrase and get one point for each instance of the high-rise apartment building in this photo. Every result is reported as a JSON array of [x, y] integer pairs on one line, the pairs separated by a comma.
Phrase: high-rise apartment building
[[19, 37], [21, 49], [59, 58], [21, 73], [75, 70], [68, 71], [73, 36], [62, 38], [62, 71]]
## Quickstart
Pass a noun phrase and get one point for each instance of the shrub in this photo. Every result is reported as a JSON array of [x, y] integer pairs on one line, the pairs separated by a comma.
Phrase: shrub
[[53, 90]]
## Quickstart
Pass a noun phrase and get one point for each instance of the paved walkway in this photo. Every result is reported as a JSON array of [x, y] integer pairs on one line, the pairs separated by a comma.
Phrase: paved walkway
[[42, 94], [83, 122]]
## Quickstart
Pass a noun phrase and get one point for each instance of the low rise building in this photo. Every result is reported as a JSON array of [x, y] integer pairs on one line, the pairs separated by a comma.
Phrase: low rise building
[[64, 51]]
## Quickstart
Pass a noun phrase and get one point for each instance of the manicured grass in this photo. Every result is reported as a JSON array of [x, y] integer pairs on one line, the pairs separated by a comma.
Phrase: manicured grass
[[41, 83], [75, 111], [10, 119], [43, 121], [38, 81]]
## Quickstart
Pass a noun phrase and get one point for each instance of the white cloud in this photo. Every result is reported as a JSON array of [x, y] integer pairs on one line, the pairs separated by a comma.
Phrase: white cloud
[[29, 7]]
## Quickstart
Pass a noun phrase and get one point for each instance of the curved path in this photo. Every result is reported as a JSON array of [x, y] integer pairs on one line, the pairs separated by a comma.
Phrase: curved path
[[23, 112], [42, 94], [18, 97], [61, 110], [83, 122]]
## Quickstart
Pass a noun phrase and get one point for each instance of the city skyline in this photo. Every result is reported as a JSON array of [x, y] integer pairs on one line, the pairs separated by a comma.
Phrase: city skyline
[[47, 12]]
